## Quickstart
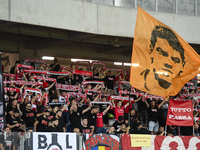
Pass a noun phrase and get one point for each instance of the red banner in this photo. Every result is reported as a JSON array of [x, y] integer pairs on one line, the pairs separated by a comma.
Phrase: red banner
[[180, 113], [164, 143]]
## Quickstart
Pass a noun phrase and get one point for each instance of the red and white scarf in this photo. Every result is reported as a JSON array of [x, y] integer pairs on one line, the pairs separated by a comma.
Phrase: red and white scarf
[[113, 69], [58, 73], [99, 63], [44, 78], [21, 82], [66, 68], [83, 73], [34, 60], [101, 102], [36, 71], [122, 98], [68, 87], [8, 75], [84, 83], [82, 63], [11, 89], [24, 66], [69, 94]]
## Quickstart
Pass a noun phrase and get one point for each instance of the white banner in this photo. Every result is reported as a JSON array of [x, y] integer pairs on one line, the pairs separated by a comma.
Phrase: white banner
[[54, 141]]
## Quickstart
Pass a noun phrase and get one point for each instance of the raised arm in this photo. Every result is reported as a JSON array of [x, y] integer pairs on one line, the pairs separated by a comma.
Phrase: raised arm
[[161, 104], [106, 110], [127, 104], [113, 103], [146, 103], [34, 98], [138, 99], [96, 98], [58, 92], [88, 108], [49, 87], [64, 107]]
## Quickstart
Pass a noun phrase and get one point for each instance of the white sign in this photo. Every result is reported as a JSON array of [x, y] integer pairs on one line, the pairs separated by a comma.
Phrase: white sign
[[54, 141]]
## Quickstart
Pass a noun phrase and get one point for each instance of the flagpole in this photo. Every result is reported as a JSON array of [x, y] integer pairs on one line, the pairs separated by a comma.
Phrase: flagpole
[[165, 130]]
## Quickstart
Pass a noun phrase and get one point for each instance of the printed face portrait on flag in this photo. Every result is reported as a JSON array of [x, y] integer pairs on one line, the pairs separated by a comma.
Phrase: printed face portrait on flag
[[165, 62], [165, 45]]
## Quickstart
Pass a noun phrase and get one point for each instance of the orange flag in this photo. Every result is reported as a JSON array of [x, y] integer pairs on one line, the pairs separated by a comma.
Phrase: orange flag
[[162, 62]]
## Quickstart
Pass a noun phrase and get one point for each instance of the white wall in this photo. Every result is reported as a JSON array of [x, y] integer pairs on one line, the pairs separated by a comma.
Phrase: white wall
[[92, 18]]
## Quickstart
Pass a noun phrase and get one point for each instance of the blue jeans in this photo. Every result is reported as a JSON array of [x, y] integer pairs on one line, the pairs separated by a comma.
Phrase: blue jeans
[[65, 117], [101, 130]]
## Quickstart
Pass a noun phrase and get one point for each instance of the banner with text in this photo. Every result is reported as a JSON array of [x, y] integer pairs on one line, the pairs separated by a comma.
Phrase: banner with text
[[55, 141], [163, 143], [180, 113], [100, 142]]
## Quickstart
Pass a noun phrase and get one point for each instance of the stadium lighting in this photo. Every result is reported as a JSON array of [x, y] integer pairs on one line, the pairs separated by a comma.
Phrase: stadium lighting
[[127, 64], [134, 65], [75, 60], [48, 58], [118, 63]]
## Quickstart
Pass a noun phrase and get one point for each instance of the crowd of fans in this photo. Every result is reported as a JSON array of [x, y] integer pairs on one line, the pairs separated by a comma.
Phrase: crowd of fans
[[96, 106]]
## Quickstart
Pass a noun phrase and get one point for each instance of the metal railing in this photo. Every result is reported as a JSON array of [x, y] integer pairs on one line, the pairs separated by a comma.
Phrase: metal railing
[[185, 7], [15, 140]]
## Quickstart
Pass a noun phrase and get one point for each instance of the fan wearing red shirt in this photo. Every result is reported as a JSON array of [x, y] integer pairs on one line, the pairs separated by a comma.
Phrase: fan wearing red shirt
[[119, 109], [100, 128]]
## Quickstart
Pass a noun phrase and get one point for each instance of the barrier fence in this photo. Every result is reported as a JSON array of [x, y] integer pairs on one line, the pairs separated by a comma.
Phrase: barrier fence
[[74, 141]]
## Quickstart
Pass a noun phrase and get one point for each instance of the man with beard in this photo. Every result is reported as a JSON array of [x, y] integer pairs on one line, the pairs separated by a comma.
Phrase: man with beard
[[29, 116], [61, 125], [41, 123]]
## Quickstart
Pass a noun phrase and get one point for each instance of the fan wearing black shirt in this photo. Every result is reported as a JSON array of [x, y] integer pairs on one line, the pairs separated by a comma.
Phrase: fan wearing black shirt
[[14, 122], [61, 125], [85, 127], [55, 66], [109, 79], [133, 119], [124, 129], [53, 125], [95, 74], [161, 131], [153, 115], [92, 116], [140, 129], [117, 124], [76, 114], [41, 123], [14, 68], [11, 109], [24, 102], [29, 115], [142, 109]]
